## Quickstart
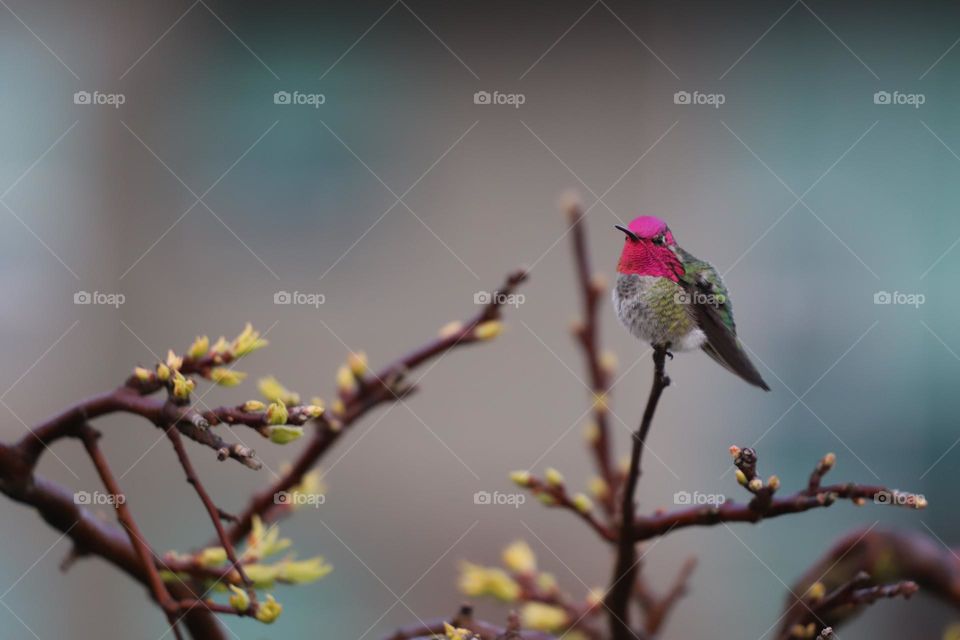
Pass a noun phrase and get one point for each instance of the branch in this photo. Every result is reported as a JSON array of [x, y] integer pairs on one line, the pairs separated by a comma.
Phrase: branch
[[215, 514], [592, 288], [766, 505], [893, 556], [625, 568], [90, 535], [841, 603], [465, 620], [658, 609], [383, 386]]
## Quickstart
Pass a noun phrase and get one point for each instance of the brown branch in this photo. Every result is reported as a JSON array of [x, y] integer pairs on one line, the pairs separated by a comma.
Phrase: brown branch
[[587, 334], [90, 535], [841, 603], [384, 386], [896, 556], [465, 620], [174, 435], [89, 436], [765, 504], [658, 609], [557, 496], [626, 565]]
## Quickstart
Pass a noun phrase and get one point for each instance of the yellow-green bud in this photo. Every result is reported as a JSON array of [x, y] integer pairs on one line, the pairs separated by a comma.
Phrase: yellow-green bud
[[143, 375], [519, 558], [271, 389], [828, 461], [542, 617], [599, 488], [546, 499], [173, 360], [182, 387], [303, 571], [252, 406], [226, 377], [816, 591], [283, 433], [582, 503], [488, 330], [773, 482], [741, 477], [240, 601], [163, 372], [755, 485], [269, 611], [247, 342], [277, 413], [521, 478], [199, 347], [553, 477], [212, 556], [357, 363], [346, 382]]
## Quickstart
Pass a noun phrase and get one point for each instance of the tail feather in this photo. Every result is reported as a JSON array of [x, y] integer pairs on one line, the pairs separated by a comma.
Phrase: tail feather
[[738, 363]]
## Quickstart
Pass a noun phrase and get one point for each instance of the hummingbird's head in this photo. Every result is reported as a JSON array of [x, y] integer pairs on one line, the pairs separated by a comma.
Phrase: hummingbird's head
[[648, 249]]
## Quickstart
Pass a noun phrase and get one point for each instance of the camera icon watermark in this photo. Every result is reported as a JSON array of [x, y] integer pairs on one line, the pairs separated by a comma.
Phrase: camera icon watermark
[[514, 100], [497, 498], [298, 499], [900, 499], [98, 98], [97, 498], [699, 297], [299, 98], [299, 298], [898, 98], [685, 498], [100, 298], [898, 297], [503, 299], [697, 98]]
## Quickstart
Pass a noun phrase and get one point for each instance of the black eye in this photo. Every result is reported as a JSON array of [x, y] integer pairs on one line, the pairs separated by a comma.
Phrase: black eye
[[658, 240]]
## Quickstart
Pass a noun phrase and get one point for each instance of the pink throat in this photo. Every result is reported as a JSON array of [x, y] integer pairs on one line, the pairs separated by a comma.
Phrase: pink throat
[[647, 259]]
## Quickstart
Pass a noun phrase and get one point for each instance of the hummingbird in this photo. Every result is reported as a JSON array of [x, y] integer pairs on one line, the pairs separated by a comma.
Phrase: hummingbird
[[669, 298]]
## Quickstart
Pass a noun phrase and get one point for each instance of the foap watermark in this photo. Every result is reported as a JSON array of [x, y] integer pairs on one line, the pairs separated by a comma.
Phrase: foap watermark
[[899, 98], [99, 297], [299, 98], [511, 99], [98, 498], [900, 499], [503, 299], [697, 498], [99, 98], [699, 297], [698, 98], [298, 499], [898, 297], [299, 298], [497, 498]]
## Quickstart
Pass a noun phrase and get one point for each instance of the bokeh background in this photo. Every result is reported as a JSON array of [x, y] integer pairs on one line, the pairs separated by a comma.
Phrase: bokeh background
[[807, 195]]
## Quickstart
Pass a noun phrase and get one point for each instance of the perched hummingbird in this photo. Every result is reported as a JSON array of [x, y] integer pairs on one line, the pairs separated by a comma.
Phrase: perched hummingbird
[[669, 298]]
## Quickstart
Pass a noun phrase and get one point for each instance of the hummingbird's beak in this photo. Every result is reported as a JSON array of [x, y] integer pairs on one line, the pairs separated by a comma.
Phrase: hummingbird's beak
[[629, 233]]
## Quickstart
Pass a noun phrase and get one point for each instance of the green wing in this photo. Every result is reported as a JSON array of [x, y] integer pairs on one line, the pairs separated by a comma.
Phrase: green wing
[[714, 314]]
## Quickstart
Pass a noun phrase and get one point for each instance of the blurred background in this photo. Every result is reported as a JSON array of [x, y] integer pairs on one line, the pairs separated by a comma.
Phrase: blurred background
[[402, 195]]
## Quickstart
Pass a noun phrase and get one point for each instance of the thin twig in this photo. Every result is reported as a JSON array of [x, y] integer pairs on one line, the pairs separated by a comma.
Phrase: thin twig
[[174, 435], [89, 436], [625, 568], [587, 334]]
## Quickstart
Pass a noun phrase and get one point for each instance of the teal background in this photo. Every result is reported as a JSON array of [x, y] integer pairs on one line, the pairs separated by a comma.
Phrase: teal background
[[880, 216]]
